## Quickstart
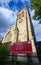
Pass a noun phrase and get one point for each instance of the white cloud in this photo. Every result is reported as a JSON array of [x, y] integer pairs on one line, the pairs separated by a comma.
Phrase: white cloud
[[24, 0], [8, 14], [37, 27], [4, 1], [7, 18], [32, 13], [1, 35], [7, 1], [38, 32]]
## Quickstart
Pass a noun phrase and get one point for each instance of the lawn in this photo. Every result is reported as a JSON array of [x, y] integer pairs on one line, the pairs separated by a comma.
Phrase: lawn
[[9, 62]]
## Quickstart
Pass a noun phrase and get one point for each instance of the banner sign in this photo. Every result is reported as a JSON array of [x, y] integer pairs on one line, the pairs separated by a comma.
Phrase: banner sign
[[21, 48]]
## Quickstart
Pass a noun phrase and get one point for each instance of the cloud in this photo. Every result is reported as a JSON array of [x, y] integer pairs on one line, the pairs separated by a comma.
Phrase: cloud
[[14, 4], [19, 5], [24, 0], [8, 11], [37, 27], [38, 32], [7, 18], [1, 35]]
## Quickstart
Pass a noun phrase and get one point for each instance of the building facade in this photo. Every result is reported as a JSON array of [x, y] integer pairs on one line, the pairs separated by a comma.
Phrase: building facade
[[22, 31]]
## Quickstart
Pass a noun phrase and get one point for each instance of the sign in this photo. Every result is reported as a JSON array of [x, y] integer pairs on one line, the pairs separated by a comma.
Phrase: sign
[[21, 48]]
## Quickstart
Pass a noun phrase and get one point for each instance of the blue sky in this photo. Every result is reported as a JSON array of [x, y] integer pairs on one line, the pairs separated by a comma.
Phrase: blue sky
[[8, 13]]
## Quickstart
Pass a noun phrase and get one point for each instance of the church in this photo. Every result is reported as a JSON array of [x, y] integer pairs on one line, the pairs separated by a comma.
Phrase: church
[[22, 31]]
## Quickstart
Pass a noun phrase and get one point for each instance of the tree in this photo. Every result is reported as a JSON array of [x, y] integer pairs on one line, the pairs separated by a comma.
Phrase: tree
[[36, 5], [4, 52]]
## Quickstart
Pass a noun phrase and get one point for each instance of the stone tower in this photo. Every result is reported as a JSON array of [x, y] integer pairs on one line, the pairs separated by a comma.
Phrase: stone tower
[[24, 26], [23, 31]]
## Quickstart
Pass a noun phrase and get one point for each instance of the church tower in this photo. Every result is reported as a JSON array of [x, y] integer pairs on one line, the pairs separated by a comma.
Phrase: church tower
[[25, 27], [23, 31]]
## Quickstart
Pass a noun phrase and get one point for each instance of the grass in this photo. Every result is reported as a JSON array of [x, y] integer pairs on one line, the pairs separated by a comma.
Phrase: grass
[[9, 62]]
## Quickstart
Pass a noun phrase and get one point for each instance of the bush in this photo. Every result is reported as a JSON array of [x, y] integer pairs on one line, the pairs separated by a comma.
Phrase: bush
[[4, 52]]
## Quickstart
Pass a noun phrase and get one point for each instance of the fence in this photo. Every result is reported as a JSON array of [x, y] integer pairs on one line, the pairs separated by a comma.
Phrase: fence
[[18, 60], [24, 58]]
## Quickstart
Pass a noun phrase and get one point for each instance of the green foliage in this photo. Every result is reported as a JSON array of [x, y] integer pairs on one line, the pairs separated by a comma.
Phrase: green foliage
[[4, 51], [9, 62], [36, 5]]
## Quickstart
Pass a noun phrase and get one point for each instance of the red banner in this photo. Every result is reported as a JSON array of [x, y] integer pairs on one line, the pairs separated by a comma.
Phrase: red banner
[[21, 48]]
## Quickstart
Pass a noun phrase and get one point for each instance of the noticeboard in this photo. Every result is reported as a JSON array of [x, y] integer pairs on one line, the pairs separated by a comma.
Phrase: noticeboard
[[21, 48]]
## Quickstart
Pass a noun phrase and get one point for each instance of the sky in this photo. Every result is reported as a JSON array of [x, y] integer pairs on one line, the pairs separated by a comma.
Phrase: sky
[[8, 14]]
